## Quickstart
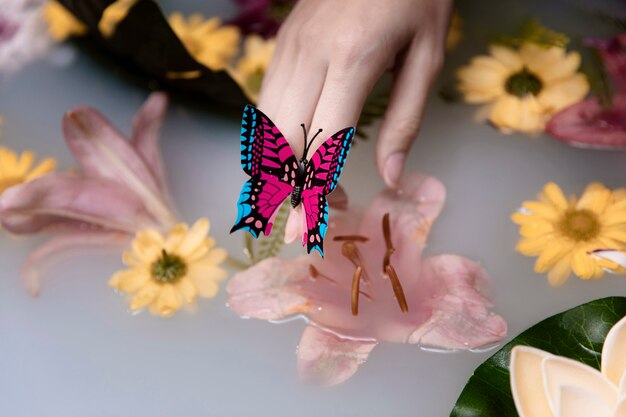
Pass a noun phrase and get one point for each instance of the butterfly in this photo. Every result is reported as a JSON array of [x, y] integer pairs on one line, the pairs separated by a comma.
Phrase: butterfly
[[275, 173]]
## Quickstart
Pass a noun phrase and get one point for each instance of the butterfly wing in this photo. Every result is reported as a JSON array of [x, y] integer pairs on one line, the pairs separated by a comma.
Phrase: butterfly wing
[[322, 174], [268, 159]]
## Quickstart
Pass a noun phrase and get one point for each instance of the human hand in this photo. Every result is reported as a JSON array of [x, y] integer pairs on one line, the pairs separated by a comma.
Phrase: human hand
[[331, 53]]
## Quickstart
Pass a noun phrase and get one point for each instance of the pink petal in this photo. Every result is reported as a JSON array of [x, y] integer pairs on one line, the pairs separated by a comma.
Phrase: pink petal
[[42, 257], [269, 290], [588, 125], [146, 126], [67, 200], [103, 152], [326, 359], [412, 208], [460, 316]]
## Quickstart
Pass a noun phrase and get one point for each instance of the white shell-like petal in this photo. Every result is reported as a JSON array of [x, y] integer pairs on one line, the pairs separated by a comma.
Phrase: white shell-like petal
[[578, 402], [527, 382], [617, 256], [559, 372], [620, 410], [614, 353]]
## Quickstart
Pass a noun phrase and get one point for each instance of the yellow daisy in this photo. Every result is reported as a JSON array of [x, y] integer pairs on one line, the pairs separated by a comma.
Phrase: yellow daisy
[[167, 272], [523, 87], [61, 22], [113, 15], [16, 169], [210, 43], [250, 69], [563, 233]]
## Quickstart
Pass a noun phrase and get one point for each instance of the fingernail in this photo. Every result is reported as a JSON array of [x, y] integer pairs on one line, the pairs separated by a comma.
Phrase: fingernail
[[393, 169]]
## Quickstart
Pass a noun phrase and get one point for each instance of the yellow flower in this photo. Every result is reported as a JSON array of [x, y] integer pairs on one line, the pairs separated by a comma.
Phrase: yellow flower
[[167, 272], [523, 87], [113, 15], [563, 233], [61, 22], [16, 170], [455, 33], [207, 41], [250, 68]]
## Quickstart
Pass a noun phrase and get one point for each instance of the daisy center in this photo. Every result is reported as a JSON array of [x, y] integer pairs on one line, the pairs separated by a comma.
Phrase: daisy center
[[580, 225], [168, 268], [523, 83], [255, 79]]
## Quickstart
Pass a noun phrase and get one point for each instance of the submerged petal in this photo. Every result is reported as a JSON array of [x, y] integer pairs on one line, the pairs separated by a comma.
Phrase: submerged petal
[[326, 359], [460, 316], [52, 250], [269, 289]]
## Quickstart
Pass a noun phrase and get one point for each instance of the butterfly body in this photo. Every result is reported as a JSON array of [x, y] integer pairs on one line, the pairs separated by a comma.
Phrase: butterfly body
[[276, 174]]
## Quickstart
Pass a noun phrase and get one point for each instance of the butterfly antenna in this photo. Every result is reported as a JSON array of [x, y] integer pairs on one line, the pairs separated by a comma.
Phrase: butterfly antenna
[[306, 150], [305, 136]]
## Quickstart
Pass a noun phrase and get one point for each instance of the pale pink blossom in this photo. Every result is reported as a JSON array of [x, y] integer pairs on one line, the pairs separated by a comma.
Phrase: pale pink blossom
[[443, 302]]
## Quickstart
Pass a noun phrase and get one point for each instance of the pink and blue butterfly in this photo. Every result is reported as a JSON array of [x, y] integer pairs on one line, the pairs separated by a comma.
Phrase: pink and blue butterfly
[[275, 174]]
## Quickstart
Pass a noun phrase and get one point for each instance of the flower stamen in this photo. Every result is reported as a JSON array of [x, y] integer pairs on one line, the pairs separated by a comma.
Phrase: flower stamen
[[356, 281], [579, 225], [389, 269], [168, 268], [523, 83], [351, 251], [351, 238], [397, 289]]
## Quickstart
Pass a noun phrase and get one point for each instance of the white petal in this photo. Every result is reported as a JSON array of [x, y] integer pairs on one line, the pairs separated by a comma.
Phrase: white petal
[[559, 372], [620, 410], [617, 256], [527, 382], [614, 353], [578, 402]]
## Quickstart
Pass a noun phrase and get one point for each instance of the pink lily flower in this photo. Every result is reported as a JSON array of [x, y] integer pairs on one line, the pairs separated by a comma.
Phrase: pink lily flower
[[373, 286], [120, 189], [588, 124]]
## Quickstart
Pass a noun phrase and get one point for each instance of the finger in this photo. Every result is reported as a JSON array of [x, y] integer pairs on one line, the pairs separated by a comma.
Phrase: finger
[[406, 104], [345, 90], [290, 91]]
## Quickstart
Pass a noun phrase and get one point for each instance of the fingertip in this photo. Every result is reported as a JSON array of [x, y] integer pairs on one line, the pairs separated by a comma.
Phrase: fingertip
[[393, 168]]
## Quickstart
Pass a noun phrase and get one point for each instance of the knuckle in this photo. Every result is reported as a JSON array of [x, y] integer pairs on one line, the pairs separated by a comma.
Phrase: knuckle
[[406, 127]]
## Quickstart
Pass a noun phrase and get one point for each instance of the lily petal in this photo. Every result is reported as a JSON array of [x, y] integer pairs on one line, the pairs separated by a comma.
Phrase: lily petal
[[614, 353], [617, 256], [61, 199], [620, 410], [578, 402], [51, 251], [460, 316], [266, 291], [559, 372], [146, 126], [103, 152], [529, 396], [326, 359]]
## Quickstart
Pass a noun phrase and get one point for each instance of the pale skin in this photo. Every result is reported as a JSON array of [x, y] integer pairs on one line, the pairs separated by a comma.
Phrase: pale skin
[[331, 53]]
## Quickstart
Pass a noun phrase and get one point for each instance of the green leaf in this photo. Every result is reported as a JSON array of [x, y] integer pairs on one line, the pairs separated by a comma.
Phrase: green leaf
[[534, 32], [578, 333], [267, 246]]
